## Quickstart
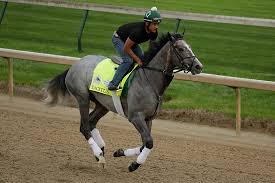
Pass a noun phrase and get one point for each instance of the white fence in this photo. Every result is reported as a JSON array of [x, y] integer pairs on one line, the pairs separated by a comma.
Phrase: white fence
[[140, 11], [234, 82]]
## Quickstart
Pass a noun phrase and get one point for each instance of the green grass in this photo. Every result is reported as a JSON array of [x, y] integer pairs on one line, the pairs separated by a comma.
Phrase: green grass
[[245, 8], [31, 73], [186, 94], [233, 50]]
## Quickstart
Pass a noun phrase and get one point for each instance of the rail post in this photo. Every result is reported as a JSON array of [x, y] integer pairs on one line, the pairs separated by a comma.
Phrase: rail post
[[3, 11], [238, 111], [10, 76], [177, 25], [85, 16]]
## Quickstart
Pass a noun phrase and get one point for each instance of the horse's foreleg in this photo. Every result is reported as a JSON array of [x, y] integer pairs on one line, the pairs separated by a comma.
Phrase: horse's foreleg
[[128, 152], [142, 127], [132, 151], [149, 125]]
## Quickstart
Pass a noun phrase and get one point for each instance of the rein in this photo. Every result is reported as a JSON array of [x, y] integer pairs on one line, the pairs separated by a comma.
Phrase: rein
[[159, 96]]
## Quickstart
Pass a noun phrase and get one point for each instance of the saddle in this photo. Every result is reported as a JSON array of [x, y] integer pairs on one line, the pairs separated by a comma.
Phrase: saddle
[[116, 59], [104, 73]]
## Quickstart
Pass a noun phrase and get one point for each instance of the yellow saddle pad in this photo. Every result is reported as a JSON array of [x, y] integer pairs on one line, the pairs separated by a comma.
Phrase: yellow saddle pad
[[103, 74]]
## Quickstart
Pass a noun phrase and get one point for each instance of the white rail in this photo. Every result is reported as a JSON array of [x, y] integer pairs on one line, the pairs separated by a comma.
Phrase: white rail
[[140, 11], [233, 82]]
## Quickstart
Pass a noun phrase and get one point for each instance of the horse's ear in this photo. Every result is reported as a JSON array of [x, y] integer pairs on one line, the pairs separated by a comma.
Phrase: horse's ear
[[170, 37]]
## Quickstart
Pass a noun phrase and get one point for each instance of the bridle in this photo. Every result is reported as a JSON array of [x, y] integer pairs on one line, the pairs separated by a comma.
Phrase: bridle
[[168, 75], [184, 67]]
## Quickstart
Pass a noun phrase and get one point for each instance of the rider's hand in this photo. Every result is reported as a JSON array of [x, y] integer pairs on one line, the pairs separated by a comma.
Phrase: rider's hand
[[140, 64]]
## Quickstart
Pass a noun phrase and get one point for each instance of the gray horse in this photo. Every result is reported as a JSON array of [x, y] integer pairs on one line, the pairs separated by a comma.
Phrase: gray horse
[[168, 55]]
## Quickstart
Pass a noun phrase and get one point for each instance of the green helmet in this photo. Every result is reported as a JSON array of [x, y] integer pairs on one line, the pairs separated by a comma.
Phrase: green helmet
[[152, 15]]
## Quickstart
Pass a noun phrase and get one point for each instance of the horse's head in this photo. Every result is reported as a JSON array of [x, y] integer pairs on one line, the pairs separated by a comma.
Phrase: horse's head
[[182, 56]]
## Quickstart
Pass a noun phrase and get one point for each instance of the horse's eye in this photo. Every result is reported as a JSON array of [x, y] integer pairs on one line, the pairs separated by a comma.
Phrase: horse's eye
[[181, 49]]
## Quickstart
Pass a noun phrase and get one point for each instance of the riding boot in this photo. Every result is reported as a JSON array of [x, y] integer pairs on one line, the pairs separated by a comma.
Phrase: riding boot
[[121, 71]]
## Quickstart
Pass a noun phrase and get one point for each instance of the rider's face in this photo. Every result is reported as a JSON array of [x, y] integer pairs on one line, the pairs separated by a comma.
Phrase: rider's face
[[153, 27]]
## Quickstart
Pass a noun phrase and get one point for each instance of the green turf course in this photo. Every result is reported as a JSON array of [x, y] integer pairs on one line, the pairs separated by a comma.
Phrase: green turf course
[[245, 8], [234, 50]]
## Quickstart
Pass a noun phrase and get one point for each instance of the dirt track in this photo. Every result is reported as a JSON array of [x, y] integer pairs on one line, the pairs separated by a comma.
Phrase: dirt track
[[44, 144]]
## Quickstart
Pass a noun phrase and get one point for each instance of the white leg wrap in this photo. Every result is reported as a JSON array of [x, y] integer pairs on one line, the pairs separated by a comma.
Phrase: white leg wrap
[[97, 151], [143, 155], [132, 152], [97, 137]]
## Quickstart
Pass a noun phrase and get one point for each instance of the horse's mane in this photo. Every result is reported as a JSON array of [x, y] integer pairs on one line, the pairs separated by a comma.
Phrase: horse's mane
[[155, 46]]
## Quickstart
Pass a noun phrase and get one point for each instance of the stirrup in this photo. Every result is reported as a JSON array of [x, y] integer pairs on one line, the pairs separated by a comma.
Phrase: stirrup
[[111, 86]]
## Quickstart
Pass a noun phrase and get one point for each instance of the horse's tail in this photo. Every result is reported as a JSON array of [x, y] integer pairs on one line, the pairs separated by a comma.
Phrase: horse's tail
[[56, 89]]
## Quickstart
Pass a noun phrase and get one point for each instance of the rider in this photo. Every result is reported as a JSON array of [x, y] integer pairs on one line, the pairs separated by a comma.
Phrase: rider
[[126, 41]]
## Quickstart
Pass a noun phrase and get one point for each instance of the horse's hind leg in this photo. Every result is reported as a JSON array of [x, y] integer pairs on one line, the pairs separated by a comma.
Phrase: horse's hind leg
[[94, 116], [84, 104]]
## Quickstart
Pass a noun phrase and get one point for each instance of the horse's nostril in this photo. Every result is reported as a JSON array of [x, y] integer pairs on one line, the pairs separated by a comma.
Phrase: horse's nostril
[[198, 67]]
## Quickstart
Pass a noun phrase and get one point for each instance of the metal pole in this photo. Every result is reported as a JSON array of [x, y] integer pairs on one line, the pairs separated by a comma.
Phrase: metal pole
[[10, 76], [86, 12], [3, 11], [177, 25], [238, 111]]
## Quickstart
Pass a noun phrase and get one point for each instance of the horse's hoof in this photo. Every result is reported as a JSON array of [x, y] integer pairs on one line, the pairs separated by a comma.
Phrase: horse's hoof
[[101, 162], [102, 149], [134, 165], [119, 153], [101, 154]]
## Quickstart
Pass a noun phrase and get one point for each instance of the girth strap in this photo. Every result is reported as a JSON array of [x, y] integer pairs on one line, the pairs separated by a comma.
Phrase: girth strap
[[117, 103]]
